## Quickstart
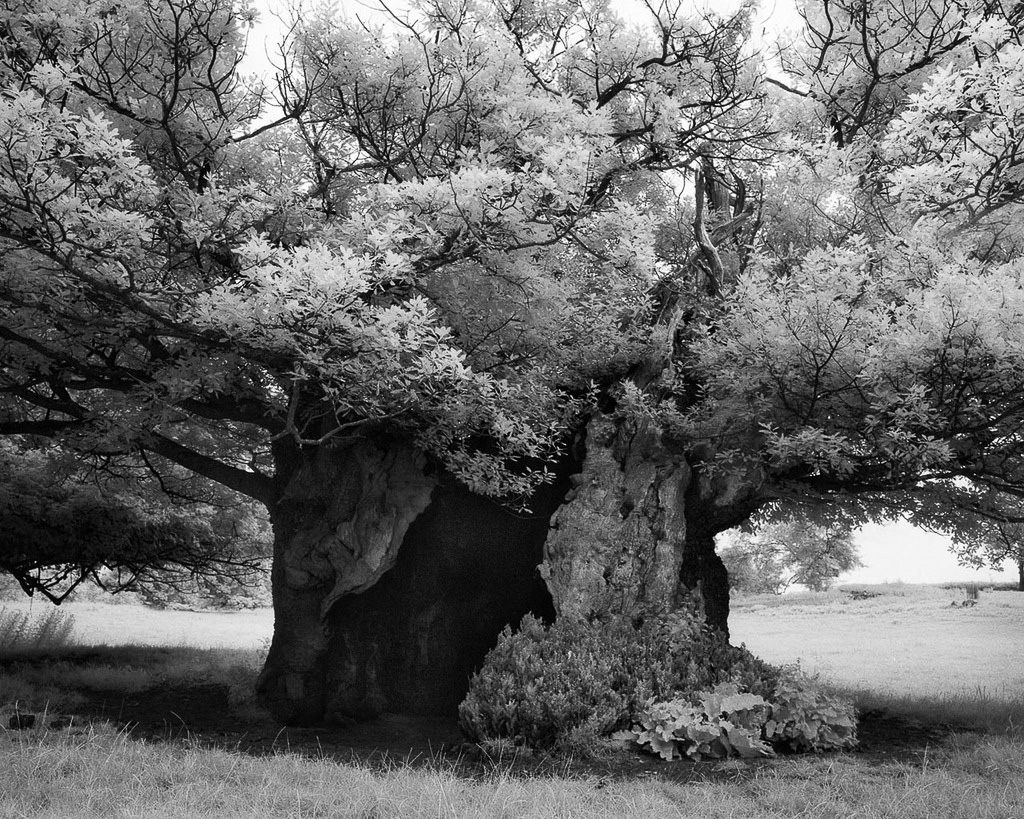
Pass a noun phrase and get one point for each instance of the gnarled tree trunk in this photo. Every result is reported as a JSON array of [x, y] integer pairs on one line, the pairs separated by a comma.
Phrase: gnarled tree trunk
[[391, 582], [339, 520], [636, 534]]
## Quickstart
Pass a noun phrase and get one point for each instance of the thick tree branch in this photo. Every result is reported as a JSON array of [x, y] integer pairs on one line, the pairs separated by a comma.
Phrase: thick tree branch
[[47, 428], [253, 484]]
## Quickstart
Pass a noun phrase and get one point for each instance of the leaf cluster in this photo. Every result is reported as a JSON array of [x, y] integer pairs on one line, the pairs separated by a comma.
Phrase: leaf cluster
[[797, 715], [777, 555]]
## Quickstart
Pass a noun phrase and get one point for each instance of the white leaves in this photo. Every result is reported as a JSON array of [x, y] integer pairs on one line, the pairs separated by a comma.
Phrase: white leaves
[[957, 146], [72, 169], [799, 716], [860, 358]]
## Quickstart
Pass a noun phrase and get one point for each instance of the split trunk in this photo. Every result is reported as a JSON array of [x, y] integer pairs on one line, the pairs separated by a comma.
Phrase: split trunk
[[392, 581]]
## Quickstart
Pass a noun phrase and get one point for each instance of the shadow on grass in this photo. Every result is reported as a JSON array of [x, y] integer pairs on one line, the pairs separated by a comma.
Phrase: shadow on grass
[[203, 697]]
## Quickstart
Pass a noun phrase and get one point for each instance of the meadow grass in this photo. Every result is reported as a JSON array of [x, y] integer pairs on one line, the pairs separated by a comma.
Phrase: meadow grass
[[910, 640], [980, 710], [116, 623], [98, 772], [41, 679], [95, 770]]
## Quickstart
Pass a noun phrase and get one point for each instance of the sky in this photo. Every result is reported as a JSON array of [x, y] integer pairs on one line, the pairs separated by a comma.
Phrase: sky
[[890, 553], [902, 553]]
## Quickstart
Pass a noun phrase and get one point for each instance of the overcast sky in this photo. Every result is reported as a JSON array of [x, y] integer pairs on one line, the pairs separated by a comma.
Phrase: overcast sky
[[900, 552]]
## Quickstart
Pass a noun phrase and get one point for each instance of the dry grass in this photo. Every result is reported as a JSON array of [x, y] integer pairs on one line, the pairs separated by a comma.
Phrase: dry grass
[[913, 641], [100, 773], [21, 628], [57, 684]]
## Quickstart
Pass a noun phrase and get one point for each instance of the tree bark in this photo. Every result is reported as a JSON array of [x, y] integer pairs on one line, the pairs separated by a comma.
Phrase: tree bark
[[617, 543], [339, 520], [637, 532], [391, 584]]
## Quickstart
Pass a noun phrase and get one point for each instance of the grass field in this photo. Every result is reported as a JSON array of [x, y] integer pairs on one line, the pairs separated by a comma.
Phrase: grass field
[[118, 624], [908, 650], [910, 640]]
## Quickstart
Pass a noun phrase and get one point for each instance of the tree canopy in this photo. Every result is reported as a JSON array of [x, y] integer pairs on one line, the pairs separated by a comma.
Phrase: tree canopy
[[476, 225], [64, 523]]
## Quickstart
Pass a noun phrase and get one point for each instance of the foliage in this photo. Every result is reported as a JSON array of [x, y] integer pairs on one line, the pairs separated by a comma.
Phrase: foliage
[[546, 692], [212, 589], [776, 555], [797, 716], [459, 222], [567, 686], [723, 722], [806, 717], [64, 525], [424, 242], [993, 542]]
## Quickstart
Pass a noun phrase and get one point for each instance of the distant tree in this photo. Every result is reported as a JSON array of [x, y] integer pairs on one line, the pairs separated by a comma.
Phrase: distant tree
[[991, 544], [776, 556]]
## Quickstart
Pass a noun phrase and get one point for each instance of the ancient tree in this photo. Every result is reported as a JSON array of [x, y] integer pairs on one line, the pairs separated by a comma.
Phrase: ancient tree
[[502, 307]]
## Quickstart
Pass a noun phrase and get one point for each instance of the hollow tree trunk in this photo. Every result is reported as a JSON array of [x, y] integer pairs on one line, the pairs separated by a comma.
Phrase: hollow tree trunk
[[390, 584], [467, 569], [339, 521], [704, 577]]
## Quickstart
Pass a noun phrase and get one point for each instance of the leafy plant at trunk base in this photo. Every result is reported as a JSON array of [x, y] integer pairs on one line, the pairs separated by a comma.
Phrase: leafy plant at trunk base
[[805, 717], [725, 721], [570, 686]]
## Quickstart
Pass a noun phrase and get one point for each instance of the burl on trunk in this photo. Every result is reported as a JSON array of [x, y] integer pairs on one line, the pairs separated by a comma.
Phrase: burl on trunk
[[392, 580]]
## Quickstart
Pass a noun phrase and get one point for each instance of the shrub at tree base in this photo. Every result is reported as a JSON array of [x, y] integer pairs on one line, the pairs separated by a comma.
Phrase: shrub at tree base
[[803, 717], [670, 684], [571, 686]]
